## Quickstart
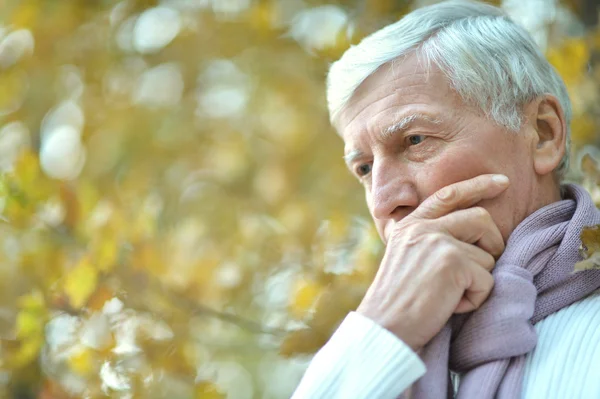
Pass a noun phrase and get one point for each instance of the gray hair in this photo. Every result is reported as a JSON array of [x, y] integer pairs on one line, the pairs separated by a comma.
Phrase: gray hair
[[491, 62]]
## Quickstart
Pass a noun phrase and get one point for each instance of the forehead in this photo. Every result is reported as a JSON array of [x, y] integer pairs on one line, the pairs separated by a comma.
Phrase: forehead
[[397, 89]]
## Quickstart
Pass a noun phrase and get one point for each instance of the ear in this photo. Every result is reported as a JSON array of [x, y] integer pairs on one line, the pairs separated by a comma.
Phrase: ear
[[548, 121]]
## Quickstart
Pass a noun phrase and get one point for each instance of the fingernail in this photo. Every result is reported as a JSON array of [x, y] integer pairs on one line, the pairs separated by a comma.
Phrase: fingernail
[[500, 179]]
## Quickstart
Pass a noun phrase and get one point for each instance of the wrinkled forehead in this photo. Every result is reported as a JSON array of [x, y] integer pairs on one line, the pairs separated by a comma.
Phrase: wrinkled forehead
[[398, 84]]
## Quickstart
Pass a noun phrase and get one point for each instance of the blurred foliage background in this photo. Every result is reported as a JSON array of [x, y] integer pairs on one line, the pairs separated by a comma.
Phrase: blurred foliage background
[[176, 219]]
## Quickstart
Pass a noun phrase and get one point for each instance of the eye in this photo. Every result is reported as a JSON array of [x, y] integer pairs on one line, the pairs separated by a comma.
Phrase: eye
[[363, 170], [416, 139]]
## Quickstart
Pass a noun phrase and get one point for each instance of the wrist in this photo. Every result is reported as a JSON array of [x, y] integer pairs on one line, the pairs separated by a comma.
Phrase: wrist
[[393, 326]]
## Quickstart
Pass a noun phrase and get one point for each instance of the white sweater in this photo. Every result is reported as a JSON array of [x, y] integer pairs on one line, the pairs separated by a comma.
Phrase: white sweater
[[364, 360]]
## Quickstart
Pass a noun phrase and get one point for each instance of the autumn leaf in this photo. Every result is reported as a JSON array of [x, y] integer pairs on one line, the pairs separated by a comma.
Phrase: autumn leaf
[[305, 294], [583, 129], [590, 167], [302, 341], [570, 59], [208, 390], [13, 89], [30, 320], [27, 353], [101, 295], [590, 249], [105, 251], [81, 282], [29, 328], [26, 14], [28, 324], [82, 361]]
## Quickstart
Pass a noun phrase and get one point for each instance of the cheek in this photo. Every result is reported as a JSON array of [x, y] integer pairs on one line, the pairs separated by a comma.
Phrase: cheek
[[499, 209], [446, 170], [459, 166]]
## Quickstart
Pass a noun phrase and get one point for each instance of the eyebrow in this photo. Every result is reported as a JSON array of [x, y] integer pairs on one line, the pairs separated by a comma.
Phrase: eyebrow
[[351, 156], [405, 122], [399, 126]]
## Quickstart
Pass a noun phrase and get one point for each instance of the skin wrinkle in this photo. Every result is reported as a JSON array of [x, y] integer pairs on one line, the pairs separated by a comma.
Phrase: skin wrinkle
[[375, 117], [357, 95], [405, 123], [464, 144], [402, 126], [359, 114], [397, 93]]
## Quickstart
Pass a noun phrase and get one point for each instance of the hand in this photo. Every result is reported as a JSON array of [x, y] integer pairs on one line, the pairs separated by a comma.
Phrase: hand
[[437, 262]]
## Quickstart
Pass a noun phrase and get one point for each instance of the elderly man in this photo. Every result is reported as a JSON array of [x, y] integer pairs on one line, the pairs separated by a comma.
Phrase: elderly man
[[458, 129]]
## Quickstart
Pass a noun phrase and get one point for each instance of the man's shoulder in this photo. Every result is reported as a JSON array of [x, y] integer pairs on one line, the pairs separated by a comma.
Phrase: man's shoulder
[[574, 322], [565, 319], [567, 353]]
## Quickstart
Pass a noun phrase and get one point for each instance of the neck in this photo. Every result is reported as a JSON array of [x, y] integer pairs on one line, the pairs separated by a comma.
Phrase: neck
[[549, 192]]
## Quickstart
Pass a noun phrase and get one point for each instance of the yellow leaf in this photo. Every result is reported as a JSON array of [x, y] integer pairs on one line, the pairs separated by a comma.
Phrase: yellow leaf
[[303, 341], [305, 295], [208, 390], [27, 168], [28, 324], [590, 238], [88, 197], [28, 352], [26, 14], [593, 262], [102, 294], [27, 187], [82, 362], [333, 305], [105, 253], [590, 249], [263, 16], [148, 258], [29, 328], [35, 300], [32, 317], [583, 129], [13, 88], [81, 283], [570, 59], [590, 166]]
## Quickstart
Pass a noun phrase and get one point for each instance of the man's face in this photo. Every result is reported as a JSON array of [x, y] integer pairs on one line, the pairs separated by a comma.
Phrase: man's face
[[407, 134]]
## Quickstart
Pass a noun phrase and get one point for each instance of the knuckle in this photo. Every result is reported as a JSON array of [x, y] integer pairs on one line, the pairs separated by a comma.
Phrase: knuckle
[[478, 302], [447, 268], [446, 194], [459, 277], [436, 239], [490, 262], [490, 281], [451, 255], [501, 247], [451, 248], [487, 263], [481, 212]]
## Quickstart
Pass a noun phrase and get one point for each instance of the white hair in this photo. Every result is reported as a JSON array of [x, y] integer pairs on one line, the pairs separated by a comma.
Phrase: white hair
[[491, 62]]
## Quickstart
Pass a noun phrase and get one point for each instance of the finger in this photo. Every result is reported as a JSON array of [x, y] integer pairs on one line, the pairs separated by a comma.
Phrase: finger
[[478, 291], [461, 195], [477, 255], [474, 226]]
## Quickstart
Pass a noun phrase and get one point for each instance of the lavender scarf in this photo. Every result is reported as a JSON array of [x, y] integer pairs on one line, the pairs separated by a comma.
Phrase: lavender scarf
[[533, 279]]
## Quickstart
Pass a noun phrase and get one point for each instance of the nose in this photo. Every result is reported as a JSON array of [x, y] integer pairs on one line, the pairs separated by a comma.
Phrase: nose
[[393, 193]]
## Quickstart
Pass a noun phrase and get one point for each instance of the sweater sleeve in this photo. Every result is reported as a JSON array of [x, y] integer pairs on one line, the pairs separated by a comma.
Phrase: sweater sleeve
[[361, 360]]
